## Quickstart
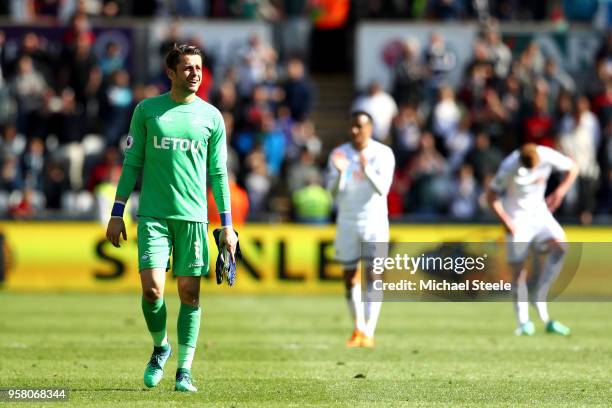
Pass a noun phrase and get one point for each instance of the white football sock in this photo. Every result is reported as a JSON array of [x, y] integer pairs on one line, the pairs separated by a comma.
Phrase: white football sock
[[521, 304], [373, 303], [356, 307], [542, 308], [551, 269]]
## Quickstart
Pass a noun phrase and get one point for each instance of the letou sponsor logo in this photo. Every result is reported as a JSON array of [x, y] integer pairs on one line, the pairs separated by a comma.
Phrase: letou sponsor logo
[[177, 143]]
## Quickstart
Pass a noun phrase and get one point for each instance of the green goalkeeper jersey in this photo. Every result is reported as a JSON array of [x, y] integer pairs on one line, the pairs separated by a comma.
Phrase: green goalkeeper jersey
[[177, 145]]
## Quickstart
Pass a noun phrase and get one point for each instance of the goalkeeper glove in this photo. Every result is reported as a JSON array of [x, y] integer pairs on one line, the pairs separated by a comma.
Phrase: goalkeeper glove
[[225, 267]]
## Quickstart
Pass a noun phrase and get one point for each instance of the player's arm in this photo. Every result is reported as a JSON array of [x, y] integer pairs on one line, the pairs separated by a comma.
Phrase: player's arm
[[336, 172], [216, 163], [499, 184], [494, 201], [132, 166], [379, 173], [561, 163]]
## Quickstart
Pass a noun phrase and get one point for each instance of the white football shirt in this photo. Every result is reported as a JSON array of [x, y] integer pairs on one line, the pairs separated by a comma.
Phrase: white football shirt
[[523, 189], [363, 197]]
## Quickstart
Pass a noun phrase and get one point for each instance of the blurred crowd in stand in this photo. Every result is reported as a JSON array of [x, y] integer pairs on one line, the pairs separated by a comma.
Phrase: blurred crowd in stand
[[65, 110], [449, 140], [274, 10], [65, 113]]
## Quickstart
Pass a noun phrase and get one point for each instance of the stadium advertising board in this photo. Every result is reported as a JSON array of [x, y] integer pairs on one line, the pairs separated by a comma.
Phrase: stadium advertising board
[[573, 50], [220, 39], [379, 47], [277, 258]]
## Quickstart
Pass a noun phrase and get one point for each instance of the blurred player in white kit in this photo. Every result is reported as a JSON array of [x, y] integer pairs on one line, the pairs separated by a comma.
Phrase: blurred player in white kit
[[516, 195], [359, 177]]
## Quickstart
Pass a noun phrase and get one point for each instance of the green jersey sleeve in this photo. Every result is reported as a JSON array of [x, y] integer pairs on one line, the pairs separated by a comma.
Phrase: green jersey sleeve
[[127, 181], [137, 138], [216, 164], [134, 154]]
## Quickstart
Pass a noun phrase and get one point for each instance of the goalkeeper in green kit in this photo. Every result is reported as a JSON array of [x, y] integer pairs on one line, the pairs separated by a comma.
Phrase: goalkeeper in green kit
[[176, 140]]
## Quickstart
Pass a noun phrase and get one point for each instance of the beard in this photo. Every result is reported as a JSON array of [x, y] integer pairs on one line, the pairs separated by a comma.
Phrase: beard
[[186, 86]]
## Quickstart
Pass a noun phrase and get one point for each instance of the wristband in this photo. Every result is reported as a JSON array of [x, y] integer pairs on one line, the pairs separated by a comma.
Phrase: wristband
[[118, 209], [226, 219]]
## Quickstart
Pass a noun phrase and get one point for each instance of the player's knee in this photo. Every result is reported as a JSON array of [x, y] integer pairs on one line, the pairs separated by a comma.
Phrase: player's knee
[[347, 292], [189, 295], [518, 272], [351, 279], [557, 248], [192, 299], [152, 294], [347, 288]]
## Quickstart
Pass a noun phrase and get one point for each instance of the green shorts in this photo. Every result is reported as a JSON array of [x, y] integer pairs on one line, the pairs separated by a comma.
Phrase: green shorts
[[187, 241]]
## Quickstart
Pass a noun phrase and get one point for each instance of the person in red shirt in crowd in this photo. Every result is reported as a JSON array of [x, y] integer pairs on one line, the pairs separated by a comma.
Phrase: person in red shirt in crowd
[[538, 126], [103, 171], [602, 104], [397, 193]]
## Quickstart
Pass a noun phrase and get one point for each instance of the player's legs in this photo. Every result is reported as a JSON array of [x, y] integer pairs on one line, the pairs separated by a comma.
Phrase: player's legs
[[352, 284], [188, 328], [188, 324], [348, 253], [518, 246], [378, 235], [520, 298], [555, 247], [154, 246], [372, 304], [154, 309], [551, 268], [152, 282], [540, 294], [190, 262]]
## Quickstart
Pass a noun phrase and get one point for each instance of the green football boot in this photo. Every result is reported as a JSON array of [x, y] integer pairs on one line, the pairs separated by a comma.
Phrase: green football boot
[[183, 381], [155, 369], [525, 329], [556, 327]]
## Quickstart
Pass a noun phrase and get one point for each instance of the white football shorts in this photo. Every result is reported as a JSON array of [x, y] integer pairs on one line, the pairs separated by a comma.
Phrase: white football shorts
[[532, 230], [350, 236]]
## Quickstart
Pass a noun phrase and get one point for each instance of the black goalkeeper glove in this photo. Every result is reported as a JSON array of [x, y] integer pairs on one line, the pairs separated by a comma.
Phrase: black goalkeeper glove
[[225, 267]]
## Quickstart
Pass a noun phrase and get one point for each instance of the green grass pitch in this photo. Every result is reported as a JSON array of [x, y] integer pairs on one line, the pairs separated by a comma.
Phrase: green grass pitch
[[260, 351]]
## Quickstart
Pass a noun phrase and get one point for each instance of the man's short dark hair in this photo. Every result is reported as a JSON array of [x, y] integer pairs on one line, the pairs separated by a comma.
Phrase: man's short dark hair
[[177, 51], [357, 113]]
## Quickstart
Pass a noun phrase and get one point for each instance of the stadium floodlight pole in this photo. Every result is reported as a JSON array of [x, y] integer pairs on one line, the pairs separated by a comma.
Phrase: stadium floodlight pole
[[176, 141]]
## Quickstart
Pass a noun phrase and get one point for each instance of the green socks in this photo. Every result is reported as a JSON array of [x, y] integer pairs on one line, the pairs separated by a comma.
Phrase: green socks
[[188, 327], [155, 316]]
